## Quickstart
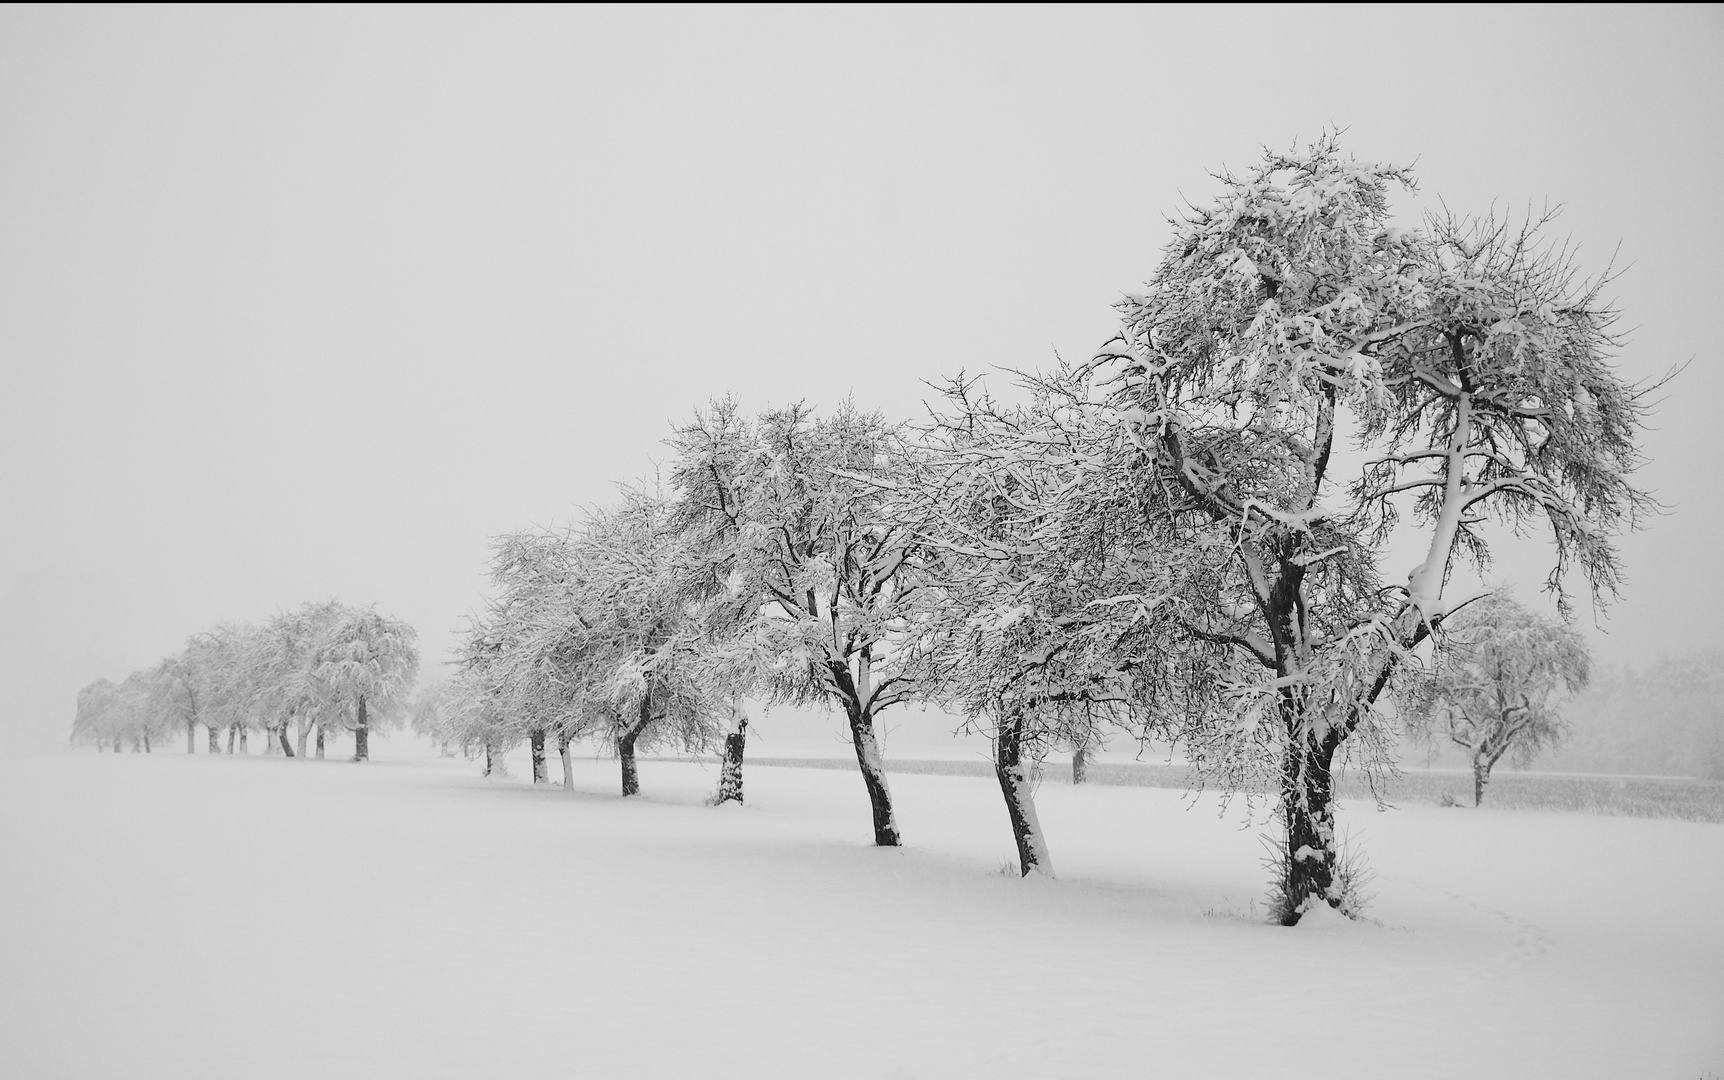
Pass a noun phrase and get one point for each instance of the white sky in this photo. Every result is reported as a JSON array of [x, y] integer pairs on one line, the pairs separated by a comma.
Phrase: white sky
[[298, 303]]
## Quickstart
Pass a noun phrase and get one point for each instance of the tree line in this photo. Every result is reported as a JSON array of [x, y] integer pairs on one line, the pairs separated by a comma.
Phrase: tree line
[[319, 669], [1158, 539]]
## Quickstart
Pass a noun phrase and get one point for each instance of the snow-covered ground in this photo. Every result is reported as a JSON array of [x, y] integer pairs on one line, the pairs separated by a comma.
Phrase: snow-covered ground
[[176, 916]]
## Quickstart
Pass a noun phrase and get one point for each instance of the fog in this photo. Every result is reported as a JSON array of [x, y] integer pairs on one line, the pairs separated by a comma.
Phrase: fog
[[298, 303]]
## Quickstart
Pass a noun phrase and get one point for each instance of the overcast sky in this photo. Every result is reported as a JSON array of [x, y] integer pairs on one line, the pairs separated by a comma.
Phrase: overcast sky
[[298, 303]]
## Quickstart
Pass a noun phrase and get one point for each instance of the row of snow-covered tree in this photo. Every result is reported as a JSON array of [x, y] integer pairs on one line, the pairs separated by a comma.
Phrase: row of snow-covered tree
[[1158, 538], [320, 669]]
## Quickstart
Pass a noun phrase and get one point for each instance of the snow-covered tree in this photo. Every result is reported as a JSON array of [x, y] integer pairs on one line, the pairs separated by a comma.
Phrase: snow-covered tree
[[222, 670], [640, 632], [532, 646], [818, 575], [1473, 368], [97, 720], [278, 664], [362, 667], [1006, 630], [1499, 674]]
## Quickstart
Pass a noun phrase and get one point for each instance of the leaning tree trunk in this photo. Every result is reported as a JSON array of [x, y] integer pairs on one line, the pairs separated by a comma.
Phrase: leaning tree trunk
[[487, 759], [320, 742], [191, 736], [868, 759], [626, 748], [730, 773], [568, 765], [1015, 785], [362, 738], [536, 739], [215, 738], [281, 734], [1308, 806]]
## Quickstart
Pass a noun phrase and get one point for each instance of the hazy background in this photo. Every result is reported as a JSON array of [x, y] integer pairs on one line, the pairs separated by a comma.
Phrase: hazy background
[[305, 303]]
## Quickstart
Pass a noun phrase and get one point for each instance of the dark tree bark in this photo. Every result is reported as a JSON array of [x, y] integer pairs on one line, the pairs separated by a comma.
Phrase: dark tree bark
[[362, 737], [730, 773], [867, 746], [215, 739], [1308, 804], [1015, 785], [191, 736], [281, 734], [243, 731], [1080, 763], [320, 742], [487, 759], [626, 747], [568, 766], [536, 740]]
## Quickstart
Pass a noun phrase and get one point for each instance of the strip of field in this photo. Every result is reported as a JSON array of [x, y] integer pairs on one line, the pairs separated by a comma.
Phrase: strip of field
[[1676, 798]]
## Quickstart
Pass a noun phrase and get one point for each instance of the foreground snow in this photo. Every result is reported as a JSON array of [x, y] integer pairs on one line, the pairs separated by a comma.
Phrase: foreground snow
[[255, 917]]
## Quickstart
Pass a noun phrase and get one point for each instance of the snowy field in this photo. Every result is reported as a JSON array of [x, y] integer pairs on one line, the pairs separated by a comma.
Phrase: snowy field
[[176, 916]]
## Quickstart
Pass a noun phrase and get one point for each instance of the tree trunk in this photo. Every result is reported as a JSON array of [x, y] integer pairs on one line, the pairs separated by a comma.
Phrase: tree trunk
[[191, 736], [568, 766], [536, 740], [626, 748], [362, 738], [1080, 762], [302, 730], [1015, 785], [487, 759], [1308, 805], [320, 742], [868, 759], [1481, 777], [281, 733], [730, 773], [146, 742], [243, 731], [215, 739]]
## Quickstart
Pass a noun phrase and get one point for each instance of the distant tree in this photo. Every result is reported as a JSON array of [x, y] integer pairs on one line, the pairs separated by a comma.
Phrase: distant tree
[[226, 679], [97, 719], [1498, 675], [364, 662], [277, 669], [425, 715], [175, 685], [533, 647]]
